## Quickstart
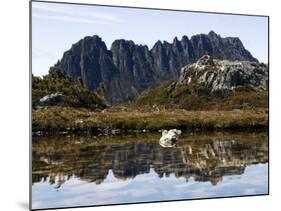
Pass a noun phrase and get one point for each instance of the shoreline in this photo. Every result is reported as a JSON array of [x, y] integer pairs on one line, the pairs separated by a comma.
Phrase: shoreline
[[132, 132], [66, 120]]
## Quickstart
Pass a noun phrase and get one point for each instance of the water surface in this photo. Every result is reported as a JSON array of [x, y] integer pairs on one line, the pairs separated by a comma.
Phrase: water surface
[[86, 170]]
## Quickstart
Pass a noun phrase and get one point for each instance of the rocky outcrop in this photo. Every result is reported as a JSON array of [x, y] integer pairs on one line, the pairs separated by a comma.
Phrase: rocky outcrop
[[127, 68], [212, 84], [51, 100], [225, 75]]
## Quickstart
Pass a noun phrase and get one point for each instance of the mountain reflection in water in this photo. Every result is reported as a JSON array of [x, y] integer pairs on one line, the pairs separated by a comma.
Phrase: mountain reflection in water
[[202, 157]]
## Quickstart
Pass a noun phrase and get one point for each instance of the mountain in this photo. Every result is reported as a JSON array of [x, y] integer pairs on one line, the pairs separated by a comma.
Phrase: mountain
[[212, 84], [127, 68]]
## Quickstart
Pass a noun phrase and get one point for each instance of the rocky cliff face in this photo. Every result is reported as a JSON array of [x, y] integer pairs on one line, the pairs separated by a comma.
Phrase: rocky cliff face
[[127, 69], [225, 75]]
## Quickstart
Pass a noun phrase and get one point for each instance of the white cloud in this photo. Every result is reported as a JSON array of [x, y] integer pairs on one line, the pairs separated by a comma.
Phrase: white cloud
[[71, 14], [68, 19]]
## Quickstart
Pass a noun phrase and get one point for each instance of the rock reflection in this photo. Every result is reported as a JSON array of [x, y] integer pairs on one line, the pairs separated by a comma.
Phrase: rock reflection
[[206, 157]]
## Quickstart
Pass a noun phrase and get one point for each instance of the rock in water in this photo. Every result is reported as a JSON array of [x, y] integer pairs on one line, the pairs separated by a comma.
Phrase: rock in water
[[169, 138]]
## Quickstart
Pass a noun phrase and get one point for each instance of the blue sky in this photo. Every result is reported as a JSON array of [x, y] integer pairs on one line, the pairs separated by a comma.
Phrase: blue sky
[[55, 27]]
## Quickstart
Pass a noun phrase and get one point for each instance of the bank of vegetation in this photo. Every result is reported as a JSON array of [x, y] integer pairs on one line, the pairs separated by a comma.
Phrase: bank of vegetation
[[66, 119]]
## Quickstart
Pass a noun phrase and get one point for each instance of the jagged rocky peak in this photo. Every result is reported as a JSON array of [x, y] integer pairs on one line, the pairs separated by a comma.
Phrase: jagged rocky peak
[[90, 60], [88, 43], [121, 43], [184, 40], [95, 39], [156, 45], [225, 74], [176, 41], [213, 34]]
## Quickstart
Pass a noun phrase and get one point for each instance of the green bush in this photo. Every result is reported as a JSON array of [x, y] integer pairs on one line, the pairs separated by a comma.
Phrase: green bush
[[74, 92]]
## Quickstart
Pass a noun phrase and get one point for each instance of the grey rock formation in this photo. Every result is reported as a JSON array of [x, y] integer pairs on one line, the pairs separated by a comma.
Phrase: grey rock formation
[[127, 69], [134, 70], [51, 100], [224, 74], [90, 60]]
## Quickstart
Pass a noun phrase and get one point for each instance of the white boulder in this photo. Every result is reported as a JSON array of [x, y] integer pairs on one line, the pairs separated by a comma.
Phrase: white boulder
[[169, 138]]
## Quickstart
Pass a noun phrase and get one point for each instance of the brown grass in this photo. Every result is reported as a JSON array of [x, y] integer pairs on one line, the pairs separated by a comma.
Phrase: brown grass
[[72, 119]]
